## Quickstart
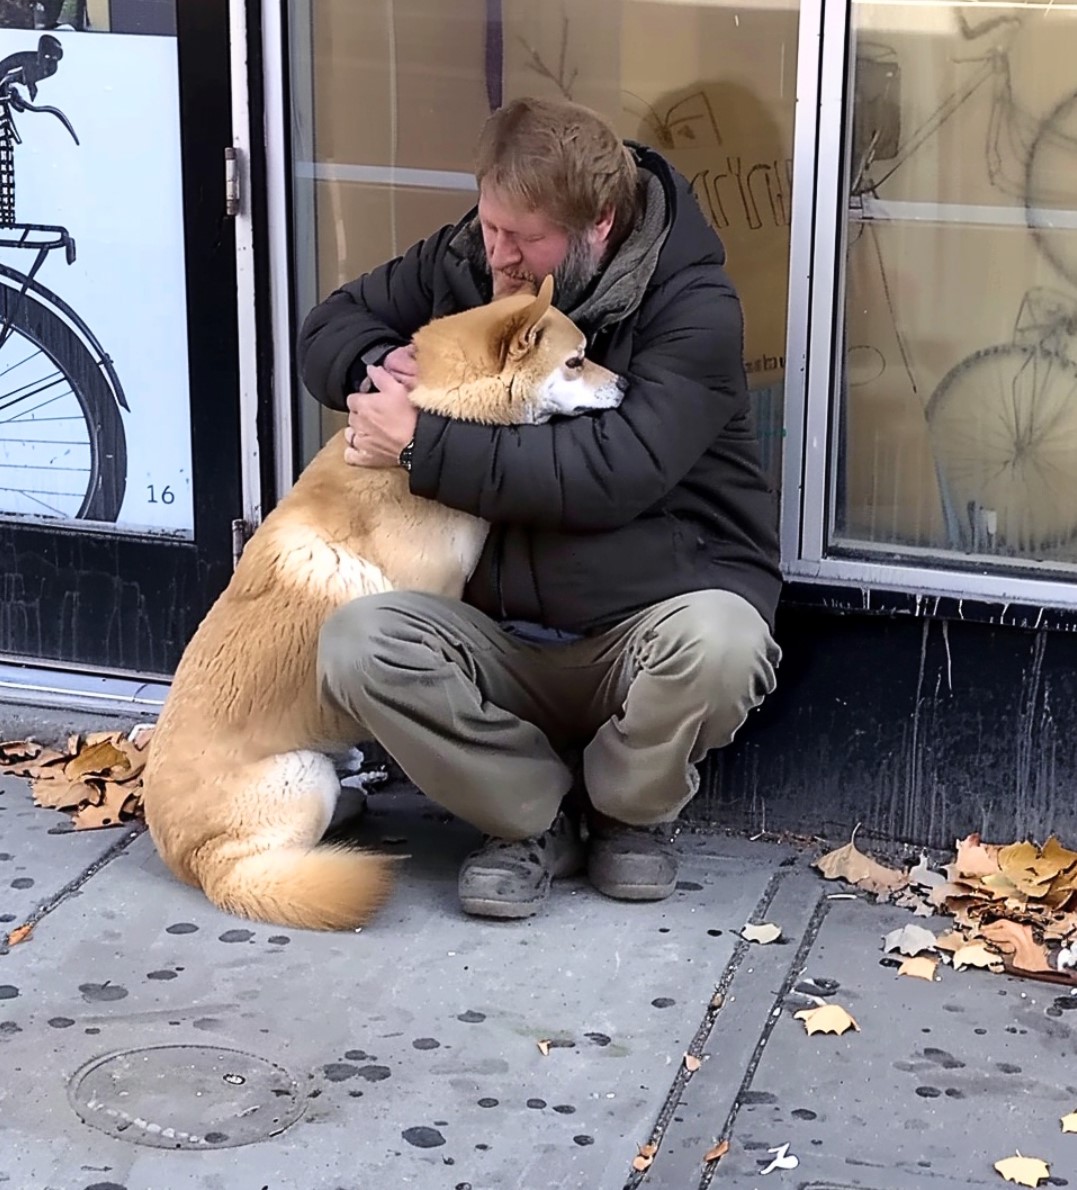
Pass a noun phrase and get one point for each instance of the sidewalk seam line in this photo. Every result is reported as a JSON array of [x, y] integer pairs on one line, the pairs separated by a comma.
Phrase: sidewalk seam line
[[73, 886]]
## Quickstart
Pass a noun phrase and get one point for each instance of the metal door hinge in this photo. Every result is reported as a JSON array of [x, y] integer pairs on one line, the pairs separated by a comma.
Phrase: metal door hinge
[[241, 534], [231, 181]]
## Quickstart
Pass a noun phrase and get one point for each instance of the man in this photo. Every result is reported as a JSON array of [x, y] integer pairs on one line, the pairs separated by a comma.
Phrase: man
[[621, 612]]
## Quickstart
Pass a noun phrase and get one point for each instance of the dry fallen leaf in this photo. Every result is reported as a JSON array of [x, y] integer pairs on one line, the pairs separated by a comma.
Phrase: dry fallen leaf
[[1017, 943], [645, 1158], [763, 933], [847, 863], [1025, 1171], [919, 968], [1069, 1122], [97, 758], [717, 1153], [19, 934], [691, 1063], [910, 940], [952, 940], [544, 1048], [975, 859], [829, 1018], [976, 954]]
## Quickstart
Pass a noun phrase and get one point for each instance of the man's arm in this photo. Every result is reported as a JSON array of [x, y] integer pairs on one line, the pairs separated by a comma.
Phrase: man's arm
[[364, 320], [592, 473]]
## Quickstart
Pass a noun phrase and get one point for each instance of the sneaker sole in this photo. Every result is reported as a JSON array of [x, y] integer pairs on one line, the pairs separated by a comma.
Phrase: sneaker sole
[[636, 892], [502, 910]]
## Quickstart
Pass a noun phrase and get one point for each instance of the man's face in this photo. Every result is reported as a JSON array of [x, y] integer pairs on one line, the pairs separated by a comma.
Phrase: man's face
[[524, 246]]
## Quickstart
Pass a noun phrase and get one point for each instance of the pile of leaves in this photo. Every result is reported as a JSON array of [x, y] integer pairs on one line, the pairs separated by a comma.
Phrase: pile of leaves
[[1014, 907], [95, 778]]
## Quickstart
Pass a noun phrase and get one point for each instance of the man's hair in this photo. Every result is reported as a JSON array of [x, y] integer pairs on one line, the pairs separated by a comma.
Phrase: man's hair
[[561, 159]]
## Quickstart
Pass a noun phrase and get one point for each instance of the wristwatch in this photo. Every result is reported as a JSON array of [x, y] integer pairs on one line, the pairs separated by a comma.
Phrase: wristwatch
[[406, 455]]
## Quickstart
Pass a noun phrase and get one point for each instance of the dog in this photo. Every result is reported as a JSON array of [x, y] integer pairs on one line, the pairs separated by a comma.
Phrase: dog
[[240, 784]]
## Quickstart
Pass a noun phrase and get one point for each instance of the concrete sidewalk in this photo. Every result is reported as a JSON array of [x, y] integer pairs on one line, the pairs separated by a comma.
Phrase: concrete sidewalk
[[149, 1042]]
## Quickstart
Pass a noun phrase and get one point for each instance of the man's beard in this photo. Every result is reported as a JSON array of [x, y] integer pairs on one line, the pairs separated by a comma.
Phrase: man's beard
[[571, 278]]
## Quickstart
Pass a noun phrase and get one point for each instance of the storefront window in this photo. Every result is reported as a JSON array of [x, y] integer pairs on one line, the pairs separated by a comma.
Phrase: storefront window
[[388, 100], [957, 437]]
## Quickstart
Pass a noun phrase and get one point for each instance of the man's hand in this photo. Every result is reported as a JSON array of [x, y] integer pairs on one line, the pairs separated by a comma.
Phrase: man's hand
[[381, 423]]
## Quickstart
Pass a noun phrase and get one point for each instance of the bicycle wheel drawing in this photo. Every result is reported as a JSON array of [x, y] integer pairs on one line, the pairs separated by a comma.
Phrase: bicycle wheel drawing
[[63, 451], [1003, 426], [1051, 188]]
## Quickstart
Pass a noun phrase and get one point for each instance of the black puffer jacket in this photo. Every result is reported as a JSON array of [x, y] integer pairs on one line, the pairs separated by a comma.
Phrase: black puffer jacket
[[593, 517]]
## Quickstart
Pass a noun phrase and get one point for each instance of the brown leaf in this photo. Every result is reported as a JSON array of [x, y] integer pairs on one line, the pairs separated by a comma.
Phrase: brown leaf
[[847, 863], [1016, 941], [61, 794], [106, 813], [645, 1158], [17, 751], [920, 968], [19, 934], [717, 1153], [691, 1063], [829, 1018], [26, 758], [951, 941], [975, 859], [98, 758]]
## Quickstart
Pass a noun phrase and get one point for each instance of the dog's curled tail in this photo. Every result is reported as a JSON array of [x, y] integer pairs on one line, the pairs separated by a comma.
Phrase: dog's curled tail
[[313, 888]]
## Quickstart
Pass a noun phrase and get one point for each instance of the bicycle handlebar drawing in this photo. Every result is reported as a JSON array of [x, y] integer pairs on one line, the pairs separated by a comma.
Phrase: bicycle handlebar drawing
[[65, 382]]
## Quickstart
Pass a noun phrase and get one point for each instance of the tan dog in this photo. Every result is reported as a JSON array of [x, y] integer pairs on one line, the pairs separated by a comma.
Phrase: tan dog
[[239, 786]]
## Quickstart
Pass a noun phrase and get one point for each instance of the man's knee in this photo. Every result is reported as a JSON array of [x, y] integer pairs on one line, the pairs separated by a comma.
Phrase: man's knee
[[719, 643], [364, 631]]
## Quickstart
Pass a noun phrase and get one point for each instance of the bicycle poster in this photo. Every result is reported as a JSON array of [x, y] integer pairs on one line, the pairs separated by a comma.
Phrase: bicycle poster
[[94, 394]]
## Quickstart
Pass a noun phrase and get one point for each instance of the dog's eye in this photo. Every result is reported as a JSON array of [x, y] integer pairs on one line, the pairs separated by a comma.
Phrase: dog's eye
[[576, 363]]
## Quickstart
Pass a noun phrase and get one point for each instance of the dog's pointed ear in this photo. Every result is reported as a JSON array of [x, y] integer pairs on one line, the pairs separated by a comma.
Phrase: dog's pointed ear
[[518, 336]]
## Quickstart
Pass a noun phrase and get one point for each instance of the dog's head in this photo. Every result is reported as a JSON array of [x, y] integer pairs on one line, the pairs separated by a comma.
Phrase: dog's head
[[517, 361]]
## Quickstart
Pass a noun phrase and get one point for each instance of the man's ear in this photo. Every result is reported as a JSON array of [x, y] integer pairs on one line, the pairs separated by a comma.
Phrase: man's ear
[[518, 335]]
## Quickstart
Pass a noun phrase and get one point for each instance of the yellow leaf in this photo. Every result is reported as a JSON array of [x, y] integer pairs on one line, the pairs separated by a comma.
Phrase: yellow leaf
[[920, 968], [1025, 1171], [847, 863], [544, 1048], [763, 933], [829, 1018], [1069, 1123], [976, 954], [717, 1153], [691, 1063], [951, 941]]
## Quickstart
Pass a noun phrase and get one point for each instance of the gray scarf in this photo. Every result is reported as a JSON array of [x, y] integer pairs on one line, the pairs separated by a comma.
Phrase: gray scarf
[[618, 289]]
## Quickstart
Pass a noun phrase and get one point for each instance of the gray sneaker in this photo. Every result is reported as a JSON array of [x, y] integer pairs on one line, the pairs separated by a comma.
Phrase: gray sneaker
[[511, 879], [633, 863]]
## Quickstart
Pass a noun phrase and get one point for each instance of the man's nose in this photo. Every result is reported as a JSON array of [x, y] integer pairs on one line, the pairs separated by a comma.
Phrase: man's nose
[[503, 251]]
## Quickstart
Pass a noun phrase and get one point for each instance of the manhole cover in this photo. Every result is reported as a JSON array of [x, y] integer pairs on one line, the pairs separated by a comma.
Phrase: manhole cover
[[186, 1097]]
